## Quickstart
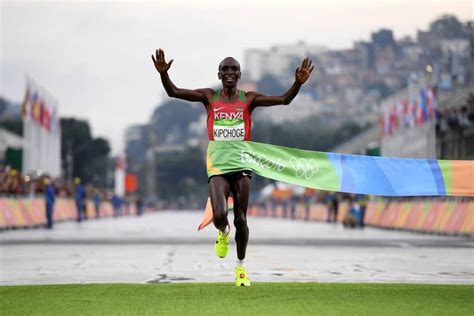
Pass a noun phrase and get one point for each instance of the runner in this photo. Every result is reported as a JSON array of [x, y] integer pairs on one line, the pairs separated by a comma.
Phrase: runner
[[229, 119]]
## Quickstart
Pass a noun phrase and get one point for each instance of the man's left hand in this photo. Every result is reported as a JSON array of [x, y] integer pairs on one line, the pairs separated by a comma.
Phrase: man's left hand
[[304, 71]]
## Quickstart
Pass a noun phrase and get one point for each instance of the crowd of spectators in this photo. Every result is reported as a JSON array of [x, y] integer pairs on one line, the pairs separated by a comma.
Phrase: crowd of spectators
[[456, 118], [14, 184], [11, 182]]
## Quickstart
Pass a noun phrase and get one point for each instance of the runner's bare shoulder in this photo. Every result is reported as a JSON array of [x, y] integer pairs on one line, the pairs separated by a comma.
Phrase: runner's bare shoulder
[[208, 93], [251, 95]]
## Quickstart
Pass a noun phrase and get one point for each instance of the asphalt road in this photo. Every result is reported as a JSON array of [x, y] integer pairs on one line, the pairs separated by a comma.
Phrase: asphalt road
[[166, 247]]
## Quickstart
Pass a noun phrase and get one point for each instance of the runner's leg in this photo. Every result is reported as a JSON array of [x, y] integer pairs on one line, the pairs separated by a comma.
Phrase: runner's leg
[[219, 190], [240, 191]]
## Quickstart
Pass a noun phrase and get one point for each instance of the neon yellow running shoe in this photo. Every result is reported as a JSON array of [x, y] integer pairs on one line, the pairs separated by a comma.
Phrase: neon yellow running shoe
[[222, 244], [241, 276]]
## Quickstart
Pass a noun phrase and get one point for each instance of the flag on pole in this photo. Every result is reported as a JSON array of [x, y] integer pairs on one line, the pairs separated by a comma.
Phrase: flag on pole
[[406, 112], [45, 117], [37, 109], [423, 106], [418, 113], [431, 102], [26, 105], [393, 120], [386, 119]]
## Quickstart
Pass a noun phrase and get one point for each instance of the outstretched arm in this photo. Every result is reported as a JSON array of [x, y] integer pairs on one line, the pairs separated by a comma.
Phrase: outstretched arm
[[198, 95], [301, 75]]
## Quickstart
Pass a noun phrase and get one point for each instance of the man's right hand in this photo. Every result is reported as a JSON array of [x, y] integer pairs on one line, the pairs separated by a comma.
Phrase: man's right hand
[[160, 63]]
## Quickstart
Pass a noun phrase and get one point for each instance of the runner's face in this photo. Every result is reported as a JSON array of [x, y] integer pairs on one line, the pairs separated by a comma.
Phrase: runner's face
[[229, 72]]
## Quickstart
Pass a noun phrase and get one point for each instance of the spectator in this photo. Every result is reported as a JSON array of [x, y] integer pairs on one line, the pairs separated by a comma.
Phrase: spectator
[[293, 201], [470, 105], [117, 204], [453, 119], [50, 197], [362, 201], [353, 216], [465, 117], [332, 204], [139, 206], [79, 198], [97, 201], [308, 199], [335, 206]]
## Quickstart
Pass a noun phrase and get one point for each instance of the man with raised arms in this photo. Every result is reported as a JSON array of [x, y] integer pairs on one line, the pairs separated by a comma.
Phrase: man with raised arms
[[229, 119]]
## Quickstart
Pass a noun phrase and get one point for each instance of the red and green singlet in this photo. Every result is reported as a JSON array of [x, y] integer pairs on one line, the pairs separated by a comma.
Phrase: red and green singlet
[[229, 121]]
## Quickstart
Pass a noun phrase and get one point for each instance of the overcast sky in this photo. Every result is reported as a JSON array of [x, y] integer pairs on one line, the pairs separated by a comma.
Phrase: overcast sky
[[94, 57]]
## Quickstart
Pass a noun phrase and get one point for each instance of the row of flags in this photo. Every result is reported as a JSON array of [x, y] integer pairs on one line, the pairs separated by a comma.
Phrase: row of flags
[[41, 131], [37, 109], [409, 112]]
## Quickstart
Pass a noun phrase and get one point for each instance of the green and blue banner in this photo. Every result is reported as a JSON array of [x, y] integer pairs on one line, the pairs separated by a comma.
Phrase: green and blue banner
[[342, 172]]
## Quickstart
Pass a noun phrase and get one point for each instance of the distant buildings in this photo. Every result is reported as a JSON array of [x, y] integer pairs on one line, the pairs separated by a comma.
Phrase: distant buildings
[[280, 61], [136, 146], [351, 83]]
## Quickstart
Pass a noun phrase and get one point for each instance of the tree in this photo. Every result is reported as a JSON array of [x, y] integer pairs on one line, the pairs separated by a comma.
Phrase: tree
[[3, 105], [14, 126], [89, 155], [181, 176], [313, 133], [11, 123], [170, 121]]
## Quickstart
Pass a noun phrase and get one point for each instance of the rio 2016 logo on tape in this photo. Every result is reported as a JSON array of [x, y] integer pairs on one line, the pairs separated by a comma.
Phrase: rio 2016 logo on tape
[[304, 168], [262, 161]]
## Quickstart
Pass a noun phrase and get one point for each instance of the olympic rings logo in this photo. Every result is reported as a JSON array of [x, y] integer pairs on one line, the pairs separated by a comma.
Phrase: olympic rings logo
[[304, 168]]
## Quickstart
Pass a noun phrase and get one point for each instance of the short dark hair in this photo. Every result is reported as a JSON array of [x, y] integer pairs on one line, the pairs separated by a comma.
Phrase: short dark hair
[[227, 58]]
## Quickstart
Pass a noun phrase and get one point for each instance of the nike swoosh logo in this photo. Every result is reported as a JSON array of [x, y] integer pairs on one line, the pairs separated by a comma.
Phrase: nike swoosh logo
[[215, 110]]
